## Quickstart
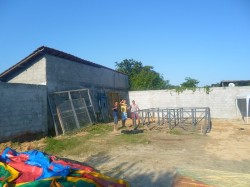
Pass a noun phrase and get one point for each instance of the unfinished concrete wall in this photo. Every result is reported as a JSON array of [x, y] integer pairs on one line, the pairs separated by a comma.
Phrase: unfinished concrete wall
[[35, 73], [63, 74], [221, 100], [23, 110], [60, 74]]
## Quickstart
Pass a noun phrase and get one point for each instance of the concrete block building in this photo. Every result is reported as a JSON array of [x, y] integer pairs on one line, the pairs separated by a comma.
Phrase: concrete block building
[[62, 73]]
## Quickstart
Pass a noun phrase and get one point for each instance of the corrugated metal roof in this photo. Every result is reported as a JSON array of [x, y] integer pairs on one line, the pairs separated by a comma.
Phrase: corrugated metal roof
[[42, 51]]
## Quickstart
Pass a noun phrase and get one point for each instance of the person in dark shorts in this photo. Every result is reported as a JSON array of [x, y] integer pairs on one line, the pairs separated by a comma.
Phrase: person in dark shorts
[[123, 105], [115, 115]]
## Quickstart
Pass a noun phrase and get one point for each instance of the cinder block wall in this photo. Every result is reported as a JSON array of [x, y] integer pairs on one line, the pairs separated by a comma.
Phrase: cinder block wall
[[221, 100], [34, 74], [23, 110], [63, 74]]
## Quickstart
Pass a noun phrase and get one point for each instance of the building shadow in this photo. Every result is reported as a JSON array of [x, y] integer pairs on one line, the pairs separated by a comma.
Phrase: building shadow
[[242, 108]]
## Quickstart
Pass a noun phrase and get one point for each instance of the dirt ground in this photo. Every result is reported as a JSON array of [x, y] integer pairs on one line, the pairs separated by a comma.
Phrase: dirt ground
[[220, 158]]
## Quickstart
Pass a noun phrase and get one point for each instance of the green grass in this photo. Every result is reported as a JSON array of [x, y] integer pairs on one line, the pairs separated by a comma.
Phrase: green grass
[[91, 139], [98, 129], [176, 132], [76, 143], [54, 146]]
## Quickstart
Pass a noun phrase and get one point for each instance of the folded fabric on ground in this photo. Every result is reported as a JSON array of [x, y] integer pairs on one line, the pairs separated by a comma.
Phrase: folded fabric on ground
[[35, 168]]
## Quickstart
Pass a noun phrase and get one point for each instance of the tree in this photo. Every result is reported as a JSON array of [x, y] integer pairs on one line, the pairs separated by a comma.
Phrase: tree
[[190, 83], [141, 77], [129, 67]]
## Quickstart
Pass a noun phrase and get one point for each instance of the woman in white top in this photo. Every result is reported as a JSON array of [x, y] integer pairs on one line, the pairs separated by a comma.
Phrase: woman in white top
[[134, 113]]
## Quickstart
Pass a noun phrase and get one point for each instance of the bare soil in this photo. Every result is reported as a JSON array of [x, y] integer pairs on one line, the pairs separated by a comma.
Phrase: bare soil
[[220, 158]]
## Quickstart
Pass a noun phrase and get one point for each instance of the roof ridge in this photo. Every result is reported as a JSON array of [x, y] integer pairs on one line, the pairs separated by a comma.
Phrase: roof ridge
[[54, 52]]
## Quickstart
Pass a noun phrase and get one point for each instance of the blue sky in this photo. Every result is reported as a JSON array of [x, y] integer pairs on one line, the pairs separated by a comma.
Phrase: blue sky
[[208, 40]]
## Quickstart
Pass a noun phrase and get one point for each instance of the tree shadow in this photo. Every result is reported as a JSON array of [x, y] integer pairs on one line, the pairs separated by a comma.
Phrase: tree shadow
[[131, 172], [137, 176]]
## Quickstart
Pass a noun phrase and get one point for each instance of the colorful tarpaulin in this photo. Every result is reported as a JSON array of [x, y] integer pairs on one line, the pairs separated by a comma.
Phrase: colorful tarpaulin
[[35, 168]]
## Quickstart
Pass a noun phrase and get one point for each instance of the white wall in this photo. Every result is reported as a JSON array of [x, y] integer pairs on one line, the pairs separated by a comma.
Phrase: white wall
[[221, 100]]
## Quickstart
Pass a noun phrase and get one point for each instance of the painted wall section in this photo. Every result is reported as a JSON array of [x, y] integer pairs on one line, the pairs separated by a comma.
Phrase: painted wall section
[[23, 110], [221, 100]]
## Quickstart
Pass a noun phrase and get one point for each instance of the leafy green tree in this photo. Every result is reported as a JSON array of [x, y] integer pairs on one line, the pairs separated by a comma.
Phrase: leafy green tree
[[147, 79], [141, 77], [190, 83], [129, 67]]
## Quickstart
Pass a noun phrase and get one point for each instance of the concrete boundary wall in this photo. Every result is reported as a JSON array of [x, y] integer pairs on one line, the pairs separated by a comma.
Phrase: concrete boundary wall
[[23, 110], [221, 100]]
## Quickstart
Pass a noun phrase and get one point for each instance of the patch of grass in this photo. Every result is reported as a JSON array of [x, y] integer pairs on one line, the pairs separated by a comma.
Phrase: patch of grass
[[66, 144], [98, 129], [53, 146], [176, 132], [74, 144], [130, 139]]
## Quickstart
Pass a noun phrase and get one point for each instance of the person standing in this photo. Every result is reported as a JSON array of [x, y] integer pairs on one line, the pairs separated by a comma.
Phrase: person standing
[[115, 115], [123, 105], [134, 113]]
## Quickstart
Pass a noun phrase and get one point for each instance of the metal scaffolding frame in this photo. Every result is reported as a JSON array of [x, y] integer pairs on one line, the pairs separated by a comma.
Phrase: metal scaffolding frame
[[188, 118]]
